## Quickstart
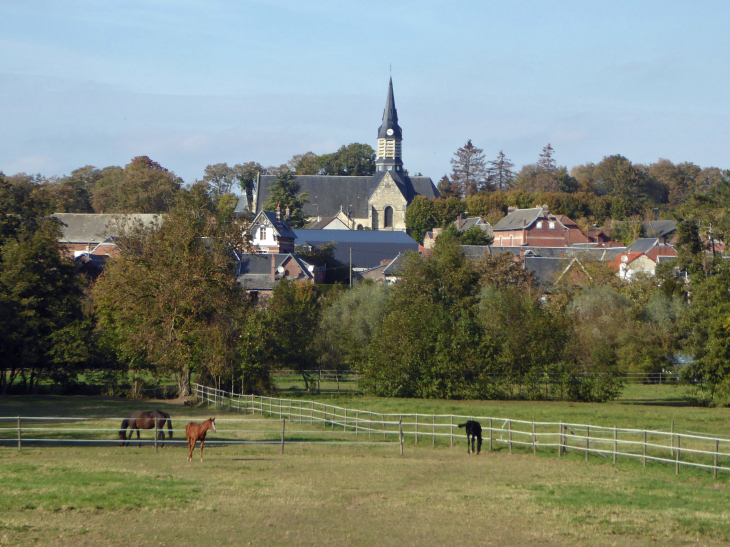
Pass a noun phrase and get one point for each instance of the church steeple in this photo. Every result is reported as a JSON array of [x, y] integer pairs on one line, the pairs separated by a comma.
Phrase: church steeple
[[389, 137]]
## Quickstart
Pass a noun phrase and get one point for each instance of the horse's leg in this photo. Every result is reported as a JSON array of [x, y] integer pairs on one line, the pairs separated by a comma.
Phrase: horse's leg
[[202, 442], [191, 445], [140, 442]]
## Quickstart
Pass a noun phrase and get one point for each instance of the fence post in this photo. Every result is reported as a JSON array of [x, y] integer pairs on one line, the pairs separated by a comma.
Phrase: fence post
[[676, 465], [560, 438], [20, 437], [534, 439], [644, 456], [283, 428], [615, 444], [717, 449], [588, 441], [451, 430], [416, 441], [490, 434], [400, 433], [509, 429], [672, 437], [433, 438], [344, 427], [156, 433], [334, 415], [357, 420], [383, 418]]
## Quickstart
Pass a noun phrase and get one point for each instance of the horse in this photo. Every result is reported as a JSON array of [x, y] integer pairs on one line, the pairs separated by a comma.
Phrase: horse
[[473, 431], [196, 432], [145, 420]]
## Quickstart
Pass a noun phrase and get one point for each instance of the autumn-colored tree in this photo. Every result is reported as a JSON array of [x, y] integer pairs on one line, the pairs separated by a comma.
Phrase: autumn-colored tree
[[469, 172]]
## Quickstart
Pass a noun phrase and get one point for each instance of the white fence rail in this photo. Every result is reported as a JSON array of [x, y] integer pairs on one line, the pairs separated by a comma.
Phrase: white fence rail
[[668, 447]]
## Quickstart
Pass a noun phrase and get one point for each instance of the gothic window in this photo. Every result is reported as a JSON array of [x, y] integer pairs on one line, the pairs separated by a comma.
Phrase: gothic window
[[388, 217]]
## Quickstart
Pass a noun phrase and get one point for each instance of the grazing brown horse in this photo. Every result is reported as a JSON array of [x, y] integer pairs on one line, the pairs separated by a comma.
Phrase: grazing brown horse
[[196, 432], [145, 420]]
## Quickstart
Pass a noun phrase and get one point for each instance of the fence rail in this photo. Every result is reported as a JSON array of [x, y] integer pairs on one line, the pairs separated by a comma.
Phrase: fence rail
[[681, 449]]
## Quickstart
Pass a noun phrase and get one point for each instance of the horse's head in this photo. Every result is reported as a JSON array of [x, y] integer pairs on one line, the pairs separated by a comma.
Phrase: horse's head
[[212, 424], [122, 437]]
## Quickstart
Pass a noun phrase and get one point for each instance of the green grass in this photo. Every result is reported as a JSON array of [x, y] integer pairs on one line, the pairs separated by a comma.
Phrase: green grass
[[358, 494]]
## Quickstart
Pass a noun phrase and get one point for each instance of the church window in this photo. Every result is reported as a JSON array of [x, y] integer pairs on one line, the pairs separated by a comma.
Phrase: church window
[[388, 217], [359, 227]]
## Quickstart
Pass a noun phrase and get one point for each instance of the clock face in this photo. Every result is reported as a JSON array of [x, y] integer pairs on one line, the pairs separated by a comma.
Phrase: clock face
[[389, 132]]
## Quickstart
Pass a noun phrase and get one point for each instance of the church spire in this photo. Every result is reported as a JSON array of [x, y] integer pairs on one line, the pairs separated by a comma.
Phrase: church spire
[[390, 118], [389, 137]]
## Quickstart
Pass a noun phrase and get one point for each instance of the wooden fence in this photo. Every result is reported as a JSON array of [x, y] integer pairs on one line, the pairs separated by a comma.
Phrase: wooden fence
[[668, 447]]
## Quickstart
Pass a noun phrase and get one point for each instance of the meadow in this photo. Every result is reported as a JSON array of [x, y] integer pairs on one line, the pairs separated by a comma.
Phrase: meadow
[[360, 494]]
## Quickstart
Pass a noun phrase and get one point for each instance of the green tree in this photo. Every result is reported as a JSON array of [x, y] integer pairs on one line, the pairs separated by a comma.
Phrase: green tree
[[219, 178], [500, 173], [355, 159], [171, 300], [420, 217], [468, 170], [293, 312], [285, 192]]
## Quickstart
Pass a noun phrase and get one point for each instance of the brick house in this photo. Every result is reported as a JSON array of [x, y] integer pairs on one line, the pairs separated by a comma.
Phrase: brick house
[[536, 227]]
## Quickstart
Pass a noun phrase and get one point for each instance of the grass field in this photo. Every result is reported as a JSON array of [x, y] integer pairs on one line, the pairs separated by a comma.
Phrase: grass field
[[360, 495]]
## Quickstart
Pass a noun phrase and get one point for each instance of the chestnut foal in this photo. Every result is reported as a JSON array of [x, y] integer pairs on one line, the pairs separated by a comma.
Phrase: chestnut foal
[[196, 432]]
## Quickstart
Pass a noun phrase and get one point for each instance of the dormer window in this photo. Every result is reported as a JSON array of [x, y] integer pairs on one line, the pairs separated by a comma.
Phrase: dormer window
[[539, 224]]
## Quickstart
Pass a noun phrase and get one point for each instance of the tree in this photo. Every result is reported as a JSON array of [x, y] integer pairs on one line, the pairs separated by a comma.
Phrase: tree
[[420, 217], [469, 169], [447, 188], [246, 174], [355, 159], [546, 163], [171, 301], [305, 164], [219, 178], [285, 192], [292, 315], [499, 173]]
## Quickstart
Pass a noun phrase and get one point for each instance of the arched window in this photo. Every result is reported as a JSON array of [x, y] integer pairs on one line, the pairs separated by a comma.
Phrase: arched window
[[359, 227], [388, 217]]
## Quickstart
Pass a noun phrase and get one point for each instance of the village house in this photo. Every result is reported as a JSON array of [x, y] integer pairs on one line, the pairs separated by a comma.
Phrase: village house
[[536, 227]]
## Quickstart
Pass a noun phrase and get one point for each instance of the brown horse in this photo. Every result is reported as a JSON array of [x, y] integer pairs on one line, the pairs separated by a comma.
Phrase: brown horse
[[145, 420], [196, 432]]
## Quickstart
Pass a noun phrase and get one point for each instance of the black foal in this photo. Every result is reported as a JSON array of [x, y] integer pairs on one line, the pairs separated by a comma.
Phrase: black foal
[[473, 431]]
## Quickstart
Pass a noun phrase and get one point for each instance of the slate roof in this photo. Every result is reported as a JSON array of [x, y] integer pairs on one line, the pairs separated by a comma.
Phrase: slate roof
[[659, 228], [95, 228], [600, 254], [369, 247], [467, 223], [242, 205], [513, 221], [546, 270], [282, 228], [642, 245], [327, 194], [254, 271], [395, 268], [390, 117], [319, 224]]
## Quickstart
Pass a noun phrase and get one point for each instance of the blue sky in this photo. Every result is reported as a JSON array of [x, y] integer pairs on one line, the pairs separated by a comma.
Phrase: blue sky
[[191, 83]]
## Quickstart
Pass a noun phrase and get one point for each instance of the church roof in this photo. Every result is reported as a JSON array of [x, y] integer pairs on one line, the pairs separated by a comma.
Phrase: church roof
[[328, 193], [390, 117], [369, 247]]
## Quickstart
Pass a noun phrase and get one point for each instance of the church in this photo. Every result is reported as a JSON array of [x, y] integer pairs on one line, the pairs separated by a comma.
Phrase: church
[[376, 202]]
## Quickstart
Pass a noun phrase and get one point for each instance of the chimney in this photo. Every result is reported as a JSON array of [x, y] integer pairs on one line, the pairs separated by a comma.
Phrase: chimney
[[511, 209], [545, 210], [288, 213], [278, 212], [524, 222], [458, 222], [273, 267]]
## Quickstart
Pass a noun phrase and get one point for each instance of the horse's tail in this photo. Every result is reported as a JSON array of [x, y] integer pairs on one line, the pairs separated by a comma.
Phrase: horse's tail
[[462, 425]]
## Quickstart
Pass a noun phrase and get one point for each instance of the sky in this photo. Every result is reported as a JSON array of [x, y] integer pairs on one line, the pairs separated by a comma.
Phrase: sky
[[196, 82]]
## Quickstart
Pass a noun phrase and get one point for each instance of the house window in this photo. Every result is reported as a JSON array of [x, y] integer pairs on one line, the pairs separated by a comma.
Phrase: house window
[[551, 225], [388, 220], [262, 234], [539, 224]]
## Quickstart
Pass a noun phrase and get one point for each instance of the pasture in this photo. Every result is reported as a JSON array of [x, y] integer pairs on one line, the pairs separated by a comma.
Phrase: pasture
[[353, 494]]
